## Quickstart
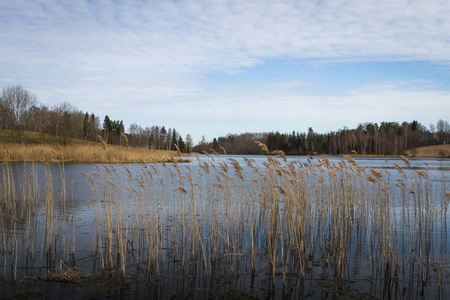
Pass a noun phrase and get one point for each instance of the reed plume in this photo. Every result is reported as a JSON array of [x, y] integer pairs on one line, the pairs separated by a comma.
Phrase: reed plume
[[263, 147], [102, 141], [124, 138]]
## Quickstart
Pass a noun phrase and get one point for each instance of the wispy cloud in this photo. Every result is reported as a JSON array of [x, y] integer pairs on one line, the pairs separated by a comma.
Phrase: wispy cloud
[[221, 35], [229, 109], [149, 51]]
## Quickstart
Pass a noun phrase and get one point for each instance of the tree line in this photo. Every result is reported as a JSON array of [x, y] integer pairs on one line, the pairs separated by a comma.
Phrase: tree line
[[387, 138], [20, 112], [158, 137]]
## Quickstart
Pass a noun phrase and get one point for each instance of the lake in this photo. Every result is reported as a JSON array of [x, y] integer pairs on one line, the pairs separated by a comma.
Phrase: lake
[[227, 227]]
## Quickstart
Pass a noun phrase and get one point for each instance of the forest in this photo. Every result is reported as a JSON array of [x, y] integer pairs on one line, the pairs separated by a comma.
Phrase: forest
[[387, 138], [20, 112]]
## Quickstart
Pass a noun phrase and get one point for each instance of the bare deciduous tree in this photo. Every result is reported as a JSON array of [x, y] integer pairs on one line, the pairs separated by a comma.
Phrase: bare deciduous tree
[[443, 131], [17, 102]]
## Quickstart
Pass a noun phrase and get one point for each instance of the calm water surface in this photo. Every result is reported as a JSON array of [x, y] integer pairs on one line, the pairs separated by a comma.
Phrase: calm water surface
[[80, 217]]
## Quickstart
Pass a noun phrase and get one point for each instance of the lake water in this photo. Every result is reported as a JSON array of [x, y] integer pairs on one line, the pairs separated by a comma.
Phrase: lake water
[[228, 226]]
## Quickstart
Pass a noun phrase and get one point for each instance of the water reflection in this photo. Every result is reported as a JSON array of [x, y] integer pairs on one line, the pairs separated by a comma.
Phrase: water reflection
[[304, 228]]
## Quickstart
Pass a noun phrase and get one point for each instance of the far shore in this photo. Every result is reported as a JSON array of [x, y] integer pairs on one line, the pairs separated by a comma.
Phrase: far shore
[[96, 153], [434, 151]]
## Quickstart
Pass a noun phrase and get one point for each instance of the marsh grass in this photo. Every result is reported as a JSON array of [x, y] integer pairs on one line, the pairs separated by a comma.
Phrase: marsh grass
[[65, 274], [33, 232], [287, 217], [84, 154], [307, 220]]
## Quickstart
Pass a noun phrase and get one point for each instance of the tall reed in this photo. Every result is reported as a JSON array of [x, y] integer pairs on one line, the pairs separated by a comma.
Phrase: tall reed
[[311, 219]]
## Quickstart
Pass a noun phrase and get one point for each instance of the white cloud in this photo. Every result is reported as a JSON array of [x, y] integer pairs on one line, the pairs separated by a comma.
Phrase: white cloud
[[102, 53], [231, 109], [221, 35]]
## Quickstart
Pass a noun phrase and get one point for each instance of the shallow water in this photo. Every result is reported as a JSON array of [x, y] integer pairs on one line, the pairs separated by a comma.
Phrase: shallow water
[[203, 235]]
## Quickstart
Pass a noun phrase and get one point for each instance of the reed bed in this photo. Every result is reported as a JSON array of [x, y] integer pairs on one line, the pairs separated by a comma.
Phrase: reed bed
[[85, 154], [34, 233], [281, 221]]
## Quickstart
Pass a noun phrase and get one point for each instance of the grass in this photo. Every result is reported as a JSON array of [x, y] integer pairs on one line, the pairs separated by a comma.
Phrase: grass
[[430, 151], [31, 137], [84, 154], [314, 219], [40, 147]]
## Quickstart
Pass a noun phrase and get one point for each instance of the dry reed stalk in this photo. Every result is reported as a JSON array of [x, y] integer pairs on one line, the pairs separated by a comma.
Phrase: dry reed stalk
[[302, 215], [350, 159], [214, 152], [263, 147], [280, 153], [223, 150], [178, 150], [406, 161], [207, 154], [102, 141], [125, 139]]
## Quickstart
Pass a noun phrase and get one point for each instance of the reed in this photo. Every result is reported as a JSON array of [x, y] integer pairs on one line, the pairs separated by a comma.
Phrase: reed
[[85, 154], [25, 234], [315, 219]]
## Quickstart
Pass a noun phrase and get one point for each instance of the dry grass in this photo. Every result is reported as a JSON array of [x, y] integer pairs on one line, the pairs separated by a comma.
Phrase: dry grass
[[429, 151], [281, 218], [84, 154], [66, 274], [285, 217]]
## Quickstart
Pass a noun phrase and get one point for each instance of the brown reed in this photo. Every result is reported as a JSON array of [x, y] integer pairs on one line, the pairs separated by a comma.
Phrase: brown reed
[[287, 218]]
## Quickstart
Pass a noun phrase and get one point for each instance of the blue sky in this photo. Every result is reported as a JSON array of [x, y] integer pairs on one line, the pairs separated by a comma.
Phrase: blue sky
[[212, 67]]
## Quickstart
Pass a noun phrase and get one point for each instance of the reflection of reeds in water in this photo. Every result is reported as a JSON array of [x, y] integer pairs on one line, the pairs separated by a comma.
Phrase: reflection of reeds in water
[[28, 229], [293, 214], [316, 218]]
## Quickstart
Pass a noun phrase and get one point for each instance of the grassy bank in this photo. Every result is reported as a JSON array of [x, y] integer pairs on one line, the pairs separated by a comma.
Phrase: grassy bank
[[429, 151], [84, 154], [30, 137], [41, 147]]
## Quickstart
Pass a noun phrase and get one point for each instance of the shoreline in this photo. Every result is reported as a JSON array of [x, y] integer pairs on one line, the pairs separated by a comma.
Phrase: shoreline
[[53, 153], [99, 153]]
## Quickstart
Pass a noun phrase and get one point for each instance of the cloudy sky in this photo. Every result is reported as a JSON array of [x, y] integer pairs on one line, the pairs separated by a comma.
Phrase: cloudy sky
[[212, 67]]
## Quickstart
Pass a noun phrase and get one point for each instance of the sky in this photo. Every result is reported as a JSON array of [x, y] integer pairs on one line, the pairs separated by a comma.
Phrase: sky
[[212, 67]]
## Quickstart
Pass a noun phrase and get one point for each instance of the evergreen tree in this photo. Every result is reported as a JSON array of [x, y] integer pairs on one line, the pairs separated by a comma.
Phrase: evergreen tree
[[86, 126], [174, 139], [181, 145]]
